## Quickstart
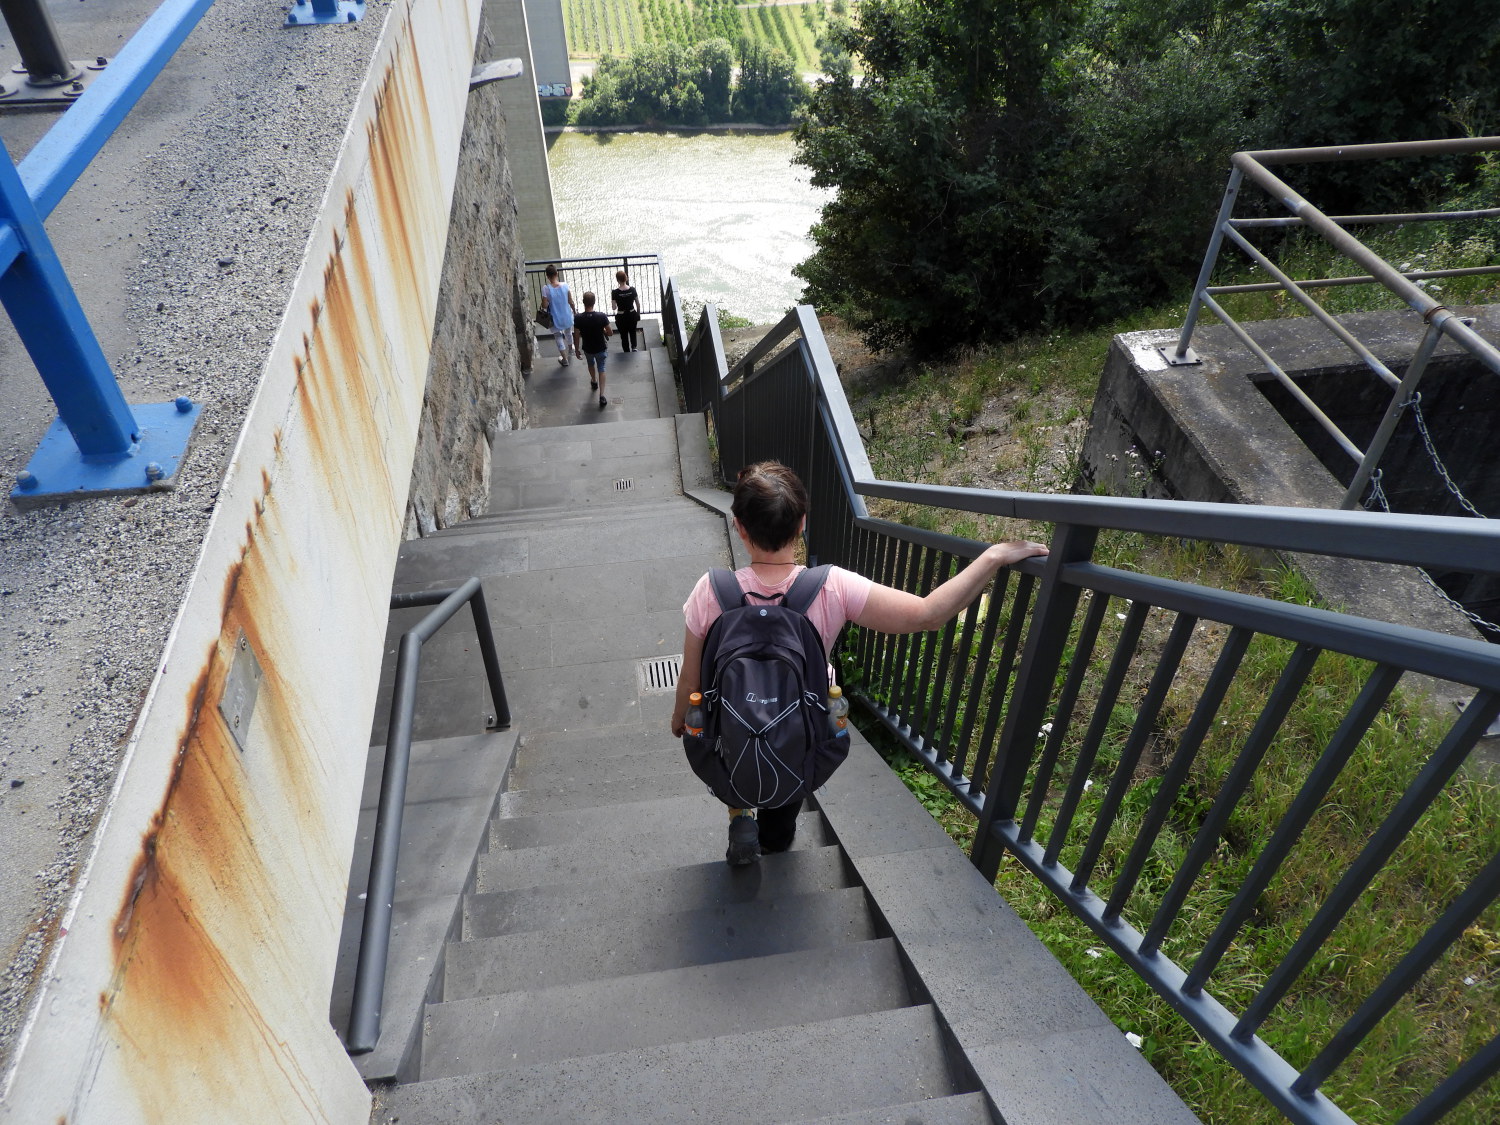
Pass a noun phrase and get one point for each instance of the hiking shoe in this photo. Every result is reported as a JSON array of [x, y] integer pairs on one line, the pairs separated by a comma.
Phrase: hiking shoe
[[744, 841]]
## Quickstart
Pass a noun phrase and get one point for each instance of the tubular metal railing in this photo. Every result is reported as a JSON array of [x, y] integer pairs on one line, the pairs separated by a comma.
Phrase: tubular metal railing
[[1439, 320], [375, 935], [993, 702], [597, 275]]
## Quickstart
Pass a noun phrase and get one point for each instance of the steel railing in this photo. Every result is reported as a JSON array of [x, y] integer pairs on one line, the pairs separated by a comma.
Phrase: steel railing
[[597, 275], [992, 702], [375, 934], [1439, 320]]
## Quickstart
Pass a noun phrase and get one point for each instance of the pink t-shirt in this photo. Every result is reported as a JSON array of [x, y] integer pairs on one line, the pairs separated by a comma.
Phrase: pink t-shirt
[[841, 599]]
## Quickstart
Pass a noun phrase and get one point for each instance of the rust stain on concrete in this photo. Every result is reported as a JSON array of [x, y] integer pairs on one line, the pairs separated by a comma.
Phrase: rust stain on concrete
[[206, 924]]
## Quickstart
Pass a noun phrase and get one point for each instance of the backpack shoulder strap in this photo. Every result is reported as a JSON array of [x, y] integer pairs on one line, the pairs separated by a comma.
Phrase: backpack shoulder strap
[[726, 588], [806, 588]]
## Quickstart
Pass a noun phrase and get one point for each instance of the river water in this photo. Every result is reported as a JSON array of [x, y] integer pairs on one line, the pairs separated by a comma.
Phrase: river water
[[728, 212]]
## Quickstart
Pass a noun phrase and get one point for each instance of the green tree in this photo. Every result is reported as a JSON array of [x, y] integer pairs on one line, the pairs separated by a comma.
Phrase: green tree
[[941, 158], [769, 89], [714, 64]]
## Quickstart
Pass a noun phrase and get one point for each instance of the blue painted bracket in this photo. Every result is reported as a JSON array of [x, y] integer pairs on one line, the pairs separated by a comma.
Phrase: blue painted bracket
[[99, 443], [306, 12], [58, 471]]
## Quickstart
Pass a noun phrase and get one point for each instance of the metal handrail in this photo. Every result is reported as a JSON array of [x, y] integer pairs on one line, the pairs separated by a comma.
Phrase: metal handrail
[[645, 272], [987, 702], [1439, 321], [375, 934]]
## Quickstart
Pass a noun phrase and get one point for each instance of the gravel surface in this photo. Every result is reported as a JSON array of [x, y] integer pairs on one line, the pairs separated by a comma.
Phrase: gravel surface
[[183, 240]]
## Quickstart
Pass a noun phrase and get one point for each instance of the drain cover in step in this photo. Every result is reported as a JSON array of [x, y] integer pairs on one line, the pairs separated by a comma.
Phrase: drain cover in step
[[624, 484], [660, 675]]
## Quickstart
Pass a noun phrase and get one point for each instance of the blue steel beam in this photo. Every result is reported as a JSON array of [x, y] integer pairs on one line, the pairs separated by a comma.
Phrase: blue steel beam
[[52, 325], [59, 158]]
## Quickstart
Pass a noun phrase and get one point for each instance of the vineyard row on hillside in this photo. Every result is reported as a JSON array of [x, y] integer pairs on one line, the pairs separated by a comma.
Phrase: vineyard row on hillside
[[617, 27]]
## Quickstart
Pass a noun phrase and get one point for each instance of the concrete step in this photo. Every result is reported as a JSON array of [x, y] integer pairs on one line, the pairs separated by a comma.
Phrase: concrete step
[[956, 1109], [614, 842], [888, 1058], [630, 946], [596, 744], [611, 828], [540, 770], [700, 886], [593, 794], [613, 439], [556, 516], [650, 1009]]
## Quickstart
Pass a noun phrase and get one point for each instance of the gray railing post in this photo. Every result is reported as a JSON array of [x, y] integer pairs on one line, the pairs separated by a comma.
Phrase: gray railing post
[[1376, 449], [41, 50], [1028, 701], [1180, 356]]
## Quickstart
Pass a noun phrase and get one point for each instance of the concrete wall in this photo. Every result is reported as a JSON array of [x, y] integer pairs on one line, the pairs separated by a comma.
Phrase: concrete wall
[[528, 144], [192, 978], [1208, 433], [481, 341]]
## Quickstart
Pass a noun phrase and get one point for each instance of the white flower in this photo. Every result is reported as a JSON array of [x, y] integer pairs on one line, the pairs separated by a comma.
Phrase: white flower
[[1121, 616], [1088, 784], [1046, 728], [1094, 953], [1134, 1040], [1470, 981]]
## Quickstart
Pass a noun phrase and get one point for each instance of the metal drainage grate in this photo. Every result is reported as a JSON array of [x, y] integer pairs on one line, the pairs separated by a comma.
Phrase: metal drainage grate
[[624, 484], [659, 676]]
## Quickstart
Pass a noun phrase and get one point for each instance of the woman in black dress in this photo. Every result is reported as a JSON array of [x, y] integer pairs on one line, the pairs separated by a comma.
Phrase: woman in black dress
[[623, 298]]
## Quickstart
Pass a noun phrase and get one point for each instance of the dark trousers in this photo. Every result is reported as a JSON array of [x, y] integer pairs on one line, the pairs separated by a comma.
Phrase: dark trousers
[[778, 827], [625, 325]]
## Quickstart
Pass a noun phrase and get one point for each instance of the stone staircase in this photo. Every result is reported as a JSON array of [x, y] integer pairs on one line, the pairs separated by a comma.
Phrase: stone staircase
[[605, 963]]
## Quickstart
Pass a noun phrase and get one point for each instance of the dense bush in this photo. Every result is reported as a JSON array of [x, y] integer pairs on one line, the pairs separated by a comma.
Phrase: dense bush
[[1006, 164]]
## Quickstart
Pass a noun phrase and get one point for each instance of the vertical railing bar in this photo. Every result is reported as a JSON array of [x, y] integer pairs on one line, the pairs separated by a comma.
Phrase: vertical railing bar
[[1062, 715], [1104, 705], [1135, 745], [981, 673], [911, 557], [1460, 915], [958, 683], [1236, 781], [919, 649], [935, 707], [1483, 1065], [1210, 259], [999, 695], [1372, 696], [1176, 772], [487, 651], [890, 642], [1417, 798], [935, 655]]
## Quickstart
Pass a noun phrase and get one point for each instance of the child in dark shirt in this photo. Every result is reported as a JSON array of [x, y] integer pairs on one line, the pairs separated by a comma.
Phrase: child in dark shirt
[[594, 328]]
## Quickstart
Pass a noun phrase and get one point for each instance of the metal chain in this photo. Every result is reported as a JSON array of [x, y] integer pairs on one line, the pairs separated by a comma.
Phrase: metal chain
[[1377, 496], [1415, 402]]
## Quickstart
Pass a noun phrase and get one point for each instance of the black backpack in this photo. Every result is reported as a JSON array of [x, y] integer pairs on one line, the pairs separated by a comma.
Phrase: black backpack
[[766, 740]]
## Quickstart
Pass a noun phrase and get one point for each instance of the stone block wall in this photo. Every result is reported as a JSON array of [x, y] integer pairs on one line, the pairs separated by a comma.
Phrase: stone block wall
[[481, 343]]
